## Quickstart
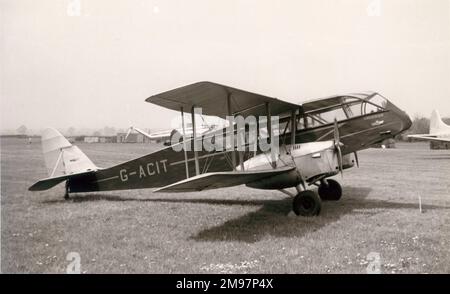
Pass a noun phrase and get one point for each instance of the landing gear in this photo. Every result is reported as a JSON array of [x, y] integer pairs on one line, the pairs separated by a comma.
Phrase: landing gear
[[330, 190], [307, 203], [66, 194]]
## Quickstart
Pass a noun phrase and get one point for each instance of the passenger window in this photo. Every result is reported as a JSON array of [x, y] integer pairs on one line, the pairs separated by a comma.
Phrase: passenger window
[[374, 104], [329, 116], [300, 124]]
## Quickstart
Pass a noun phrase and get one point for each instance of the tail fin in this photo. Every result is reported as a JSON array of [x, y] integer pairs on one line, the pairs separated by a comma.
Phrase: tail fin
[[61, 157], [437, 125]]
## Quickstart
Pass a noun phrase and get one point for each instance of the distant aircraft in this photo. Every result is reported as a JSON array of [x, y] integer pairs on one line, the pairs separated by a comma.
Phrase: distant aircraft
[[167, 135], [439, 131], [131, 129], [317, 140]]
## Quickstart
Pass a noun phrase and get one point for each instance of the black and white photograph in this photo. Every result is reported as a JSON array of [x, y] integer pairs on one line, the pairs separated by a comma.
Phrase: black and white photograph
[[249, 137]]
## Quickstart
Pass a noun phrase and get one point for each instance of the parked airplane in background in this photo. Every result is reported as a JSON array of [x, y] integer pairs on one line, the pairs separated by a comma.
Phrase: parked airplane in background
[[166, 136], [131, 129], [317, 140], [439, 131]]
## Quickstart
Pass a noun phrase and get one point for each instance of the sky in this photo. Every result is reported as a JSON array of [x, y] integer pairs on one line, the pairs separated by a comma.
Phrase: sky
[[90, 64]]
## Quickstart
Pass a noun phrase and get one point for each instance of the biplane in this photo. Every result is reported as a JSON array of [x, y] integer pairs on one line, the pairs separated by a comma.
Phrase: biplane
[[317, 140]]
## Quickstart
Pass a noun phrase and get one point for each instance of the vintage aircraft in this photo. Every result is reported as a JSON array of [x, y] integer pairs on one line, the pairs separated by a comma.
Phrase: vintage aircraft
[[318, 139], [439, 131]]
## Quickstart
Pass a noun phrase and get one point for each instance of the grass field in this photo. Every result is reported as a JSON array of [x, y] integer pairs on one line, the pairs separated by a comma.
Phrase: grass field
[[236, 230]]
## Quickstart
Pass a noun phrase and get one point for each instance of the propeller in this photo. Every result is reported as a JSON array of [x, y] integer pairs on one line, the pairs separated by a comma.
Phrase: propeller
[[356, 158], [337, 146]]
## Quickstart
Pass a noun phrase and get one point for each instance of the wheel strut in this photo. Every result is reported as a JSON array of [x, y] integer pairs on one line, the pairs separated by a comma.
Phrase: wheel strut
[[66, 194]]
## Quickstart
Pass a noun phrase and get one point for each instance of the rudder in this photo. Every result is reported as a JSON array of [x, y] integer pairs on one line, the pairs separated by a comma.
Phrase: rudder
[[61, 157]]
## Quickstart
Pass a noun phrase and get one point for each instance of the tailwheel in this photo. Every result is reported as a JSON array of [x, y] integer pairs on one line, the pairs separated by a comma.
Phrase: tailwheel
[[330, 190], [66, 194], [307, 203]]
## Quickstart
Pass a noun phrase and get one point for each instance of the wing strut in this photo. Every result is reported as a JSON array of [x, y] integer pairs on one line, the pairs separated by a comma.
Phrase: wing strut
[[184, 143], [273, 160], [293, 128], [194, 132], [231, 127]]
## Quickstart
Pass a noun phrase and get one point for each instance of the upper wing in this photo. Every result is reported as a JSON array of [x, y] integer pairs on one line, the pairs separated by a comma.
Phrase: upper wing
[[429, 137], [213, 99], [221, 180]]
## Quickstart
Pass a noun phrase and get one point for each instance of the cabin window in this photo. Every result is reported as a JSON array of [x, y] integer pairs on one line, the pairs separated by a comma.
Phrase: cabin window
[[354, 108], [329, 116], [325, 117], [300, 123], [343, 108], [373, 104]]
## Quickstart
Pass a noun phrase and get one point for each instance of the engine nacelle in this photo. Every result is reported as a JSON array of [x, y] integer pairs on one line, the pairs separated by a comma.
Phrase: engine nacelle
[[313, 160]]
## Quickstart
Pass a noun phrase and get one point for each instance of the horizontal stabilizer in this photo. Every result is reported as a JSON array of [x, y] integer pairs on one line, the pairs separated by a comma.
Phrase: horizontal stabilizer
[[48, 183], [216, 180]]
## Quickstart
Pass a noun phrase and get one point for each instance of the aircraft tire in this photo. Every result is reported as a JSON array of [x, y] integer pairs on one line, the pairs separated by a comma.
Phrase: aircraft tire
[[307, 203], [330, 192]]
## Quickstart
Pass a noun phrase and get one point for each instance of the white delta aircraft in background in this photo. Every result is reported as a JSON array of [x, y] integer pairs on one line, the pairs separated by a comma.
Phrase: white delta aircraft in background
[[439, 131]]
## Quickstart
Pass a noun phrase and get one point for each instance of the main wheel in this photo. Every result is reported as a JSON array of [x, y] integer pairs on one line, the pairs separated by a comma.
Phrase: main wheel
[[307, 203], [331, 190]]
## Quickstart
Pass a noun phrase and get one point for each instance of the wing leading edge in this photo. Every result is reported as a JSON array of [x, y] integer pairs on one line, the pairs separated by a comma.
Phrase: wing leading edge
[[213, 99]]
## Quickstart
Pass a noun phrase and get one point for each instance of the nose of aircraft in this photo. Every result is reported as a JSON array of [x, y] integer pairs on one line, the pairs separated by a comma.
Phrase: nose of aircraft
[[406, 121], [403, 117]]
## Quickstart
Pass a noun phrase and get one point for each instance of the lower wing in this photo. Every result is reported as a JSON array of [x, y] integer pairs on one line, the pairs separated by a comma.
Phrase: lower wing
[[221, 180]]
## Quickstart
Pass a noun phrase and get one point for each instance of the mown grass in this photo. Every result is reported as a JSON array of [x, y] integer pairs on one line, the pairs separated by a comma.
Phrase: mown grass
[[236, 230]]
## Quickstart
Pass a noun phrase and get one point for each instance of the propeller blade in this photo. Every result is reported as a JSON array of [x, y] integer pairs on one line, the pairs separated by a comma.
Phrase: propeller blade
[[337, 146], [340, 161], [356, 158], [336, 133]]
